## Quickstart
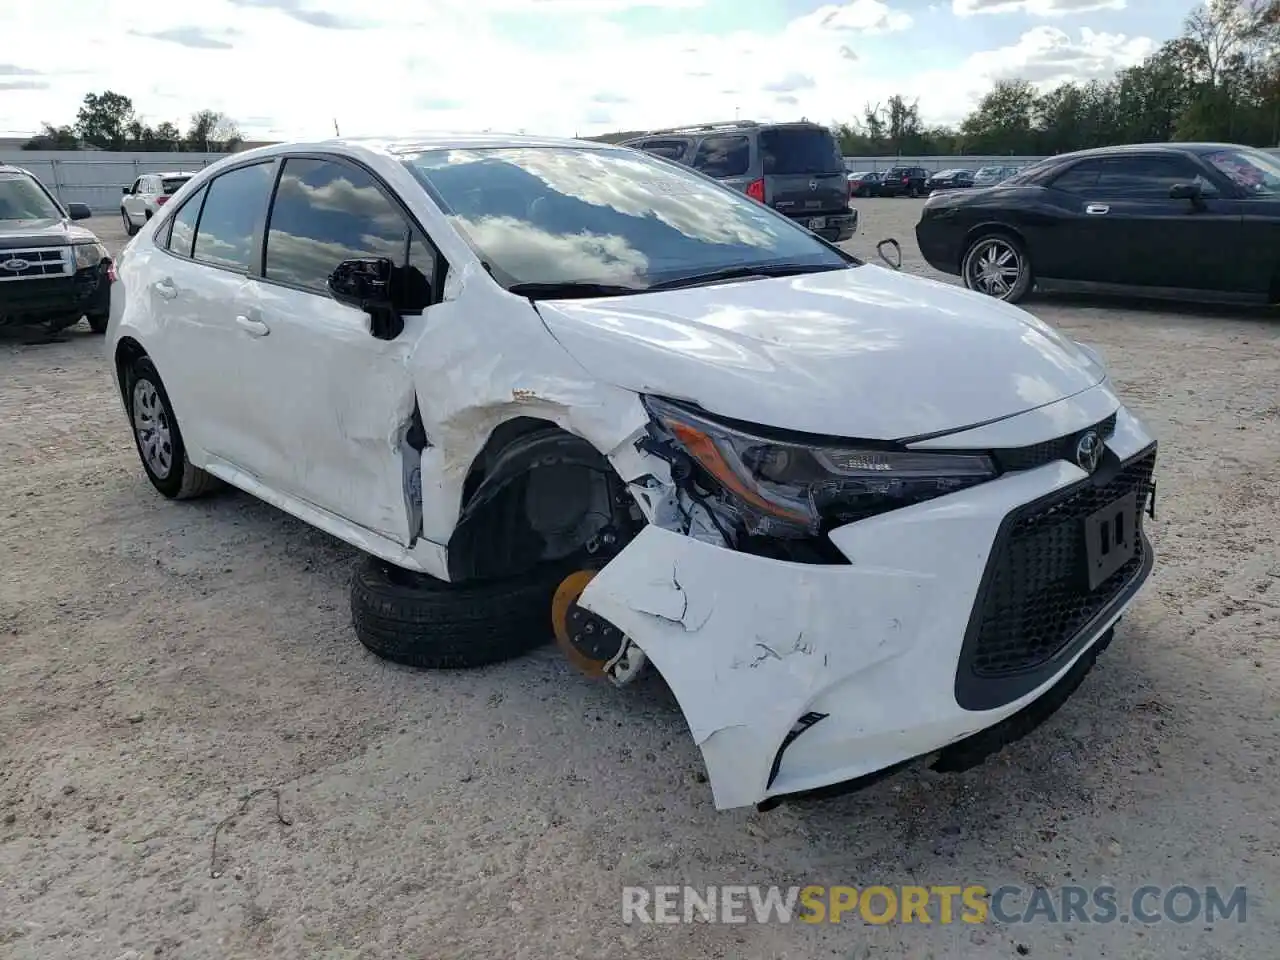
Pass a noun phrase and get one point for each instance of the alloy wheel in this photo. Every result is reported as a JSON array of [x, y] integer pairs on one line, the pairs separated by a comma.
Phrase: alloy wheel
[[993, 267]]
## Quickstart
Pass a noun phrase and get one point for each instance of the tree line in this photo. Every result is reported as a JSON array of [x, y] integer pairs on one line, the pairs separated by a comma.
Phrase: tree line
[[107, 121], [1218, 81]]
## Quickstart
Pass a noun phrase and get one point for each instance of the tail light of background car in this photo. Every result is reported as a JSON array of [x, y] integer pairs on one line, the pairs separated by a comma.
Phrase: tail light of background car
[[162, 200], [111, 272], [755, 190]]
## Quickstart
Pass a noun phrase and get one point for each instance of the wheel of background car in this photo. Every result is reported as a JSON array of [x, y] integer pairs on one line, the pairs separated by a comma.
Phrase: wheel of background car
[[419, 621], [997, 264], [129, 228], [158, 439], [98, 322]]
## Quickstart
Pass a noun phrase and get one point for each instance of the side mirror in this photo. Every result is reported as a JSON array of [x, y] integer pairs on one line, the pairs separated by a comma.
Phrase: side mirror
[[366, 284], [127, 191], [79, 211], [1185, 191]]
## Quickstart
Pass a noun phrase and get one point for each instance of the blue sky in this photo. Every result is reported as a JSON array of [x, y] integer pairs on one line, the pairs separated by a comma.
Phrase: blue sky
[[289, 68]]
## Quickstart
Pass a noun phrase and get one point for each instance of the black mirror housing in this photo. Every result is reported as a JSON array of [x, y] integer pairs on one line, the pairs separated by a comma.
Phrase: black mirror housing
[[127, 191], [1185, 191], [366, 284], [79, 211]]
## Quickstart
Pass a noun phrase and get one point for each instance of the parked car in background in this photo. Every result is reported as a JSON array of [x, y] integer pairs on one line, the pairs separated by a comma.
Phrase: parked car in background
[[864, 183], [681, 412], [949, 180], [148, 194], [52, 272], [1185, 221], [989, 176], [903, 182], [795, 168]]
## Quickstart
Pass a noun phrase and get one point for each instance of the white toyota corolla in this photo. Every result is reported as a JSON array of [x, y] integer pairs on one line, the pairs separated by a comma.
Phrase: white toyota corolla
[[853, 517]]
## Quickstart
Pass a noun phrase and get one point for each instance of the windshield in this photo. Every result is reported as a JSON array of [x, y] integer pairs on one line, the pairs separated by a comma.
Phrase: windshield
[[571, 215], [173, 184], [21, 198], [800, 150], [1257, 172], [988, 172]]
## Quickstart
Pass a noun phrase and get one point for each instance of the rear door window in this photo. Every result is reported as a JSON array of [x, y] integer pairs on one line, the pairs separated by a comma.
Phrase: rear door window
[[670, 149], [233, 206], [183, 229], [1145, 178], [723, 156], [800, 150], [173, 184], [1082, 179]]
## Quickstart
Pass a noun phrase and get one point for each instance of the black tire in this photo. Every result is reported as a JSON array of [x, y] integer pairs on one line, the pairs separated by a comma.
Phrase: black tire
[[419, 621], [129, 228], [1000, 242], [181, 481], [98, 322]]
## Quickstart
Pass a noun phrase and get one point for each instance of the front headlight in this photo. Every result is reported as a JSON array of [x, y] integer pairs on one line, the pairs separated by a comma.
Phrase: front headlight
[[781, 487], [89, 254]]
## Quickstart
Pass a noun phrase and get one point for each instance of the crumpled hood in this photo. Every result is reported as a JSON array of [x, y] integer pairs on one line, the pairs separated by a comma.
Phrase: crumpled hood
[[867, 353], [42, 233]]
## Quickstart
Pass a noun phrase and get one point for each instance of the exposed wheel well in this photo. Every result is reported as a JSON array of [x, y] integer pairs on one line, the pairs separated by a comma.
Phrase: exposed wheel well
[[537, 494], [127, 351]]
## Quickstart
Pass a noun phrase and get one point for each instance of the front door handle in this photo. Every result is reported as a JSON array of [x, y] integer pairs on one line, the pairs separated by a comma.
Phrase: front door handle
[[1097, 209], [255, 328], [166, 288]]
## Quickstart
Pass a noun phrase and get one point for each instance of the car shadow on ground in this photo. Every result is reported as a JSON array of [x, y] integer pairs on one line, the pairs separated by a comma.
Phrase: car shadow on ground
[[37, 335], [1178, 308]]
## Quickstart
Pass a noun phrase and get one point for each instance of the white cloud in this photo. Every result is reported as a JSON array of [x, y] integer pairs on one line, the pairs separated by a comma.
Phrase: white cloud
[[288, 68], [1039, 8]]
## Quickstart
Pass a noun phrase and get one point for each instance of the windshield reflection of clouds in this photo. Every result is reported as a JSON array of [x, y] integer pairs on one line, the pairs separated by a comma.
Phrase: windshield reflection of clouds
[[610, 216], [21, 199]]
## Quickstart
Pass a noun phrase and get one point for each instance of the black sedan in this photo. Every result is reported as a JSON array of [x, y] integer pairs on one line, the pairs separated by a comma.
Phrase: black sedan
[[864, 183], [949, 180], [1194, 221]]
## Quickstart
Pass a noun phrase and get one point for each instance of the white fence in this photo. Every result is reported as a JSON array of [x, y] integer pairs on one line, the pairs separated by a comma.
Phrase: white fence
[[97, 177]]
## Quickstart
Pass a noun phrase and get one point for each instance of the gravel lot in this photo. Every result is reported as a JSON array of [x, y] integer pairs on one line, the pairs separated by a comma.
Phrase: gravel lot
[[160, 661]]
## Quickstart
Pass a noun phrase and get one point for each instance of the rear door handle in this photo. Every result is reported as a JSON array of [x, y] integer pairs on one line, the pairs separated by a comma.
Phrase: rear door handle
[[1097, 209], [255, 328], [166, 288]]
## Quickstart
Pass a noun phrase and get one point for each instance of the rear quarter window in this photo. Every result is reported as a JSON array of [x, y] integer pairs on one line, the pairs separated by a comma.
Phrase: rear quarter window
[[723, 156]]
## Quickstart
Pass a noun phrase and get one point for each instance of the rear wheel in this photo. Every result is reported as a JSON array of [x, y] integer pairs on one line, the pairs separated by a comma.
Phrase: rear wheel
[[997, 264], [129, 228], [158, 439], [98, 322]]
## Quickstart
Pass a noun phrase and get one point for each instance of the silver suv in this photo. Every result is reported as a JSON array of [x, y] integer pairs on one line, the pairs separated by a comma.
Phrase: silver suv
[[796, 168]]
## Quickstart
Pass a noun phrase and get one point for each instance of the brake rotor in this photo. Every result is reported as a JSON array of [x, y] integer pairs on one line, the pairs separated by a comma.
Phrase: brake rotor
[[588, 640]]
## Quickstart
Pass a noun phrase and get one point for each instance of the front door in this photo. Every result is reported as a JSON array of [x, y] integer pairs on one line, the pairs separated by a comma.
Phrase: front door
[[1131, 232], [336, 402]]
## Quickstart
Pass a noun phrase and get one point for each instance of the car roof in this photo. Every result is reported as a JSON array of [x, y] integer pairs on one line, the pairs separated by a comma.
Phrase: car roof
[[397, 146], [726, 127], [172, 173], [1131, 148], [11, 169]]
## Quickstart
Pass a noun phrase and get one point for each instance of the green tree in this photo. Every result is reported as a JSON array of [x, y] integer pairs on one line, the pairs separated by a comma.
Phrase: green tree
[[1003, 121], [53, 138], [104, 119]]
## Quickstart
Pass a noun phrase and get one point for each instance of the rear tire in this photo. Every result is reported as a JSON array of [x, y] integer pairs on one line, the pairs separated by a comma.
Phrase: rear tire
[[98, 322], [129, 228], [158, 439], [419, 621]]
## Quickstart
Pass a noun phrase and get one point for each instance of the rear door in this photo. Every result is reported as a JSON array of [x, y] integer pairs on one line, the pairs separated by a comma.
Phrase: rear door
[[667, 147], [133, 201], [803, 171]]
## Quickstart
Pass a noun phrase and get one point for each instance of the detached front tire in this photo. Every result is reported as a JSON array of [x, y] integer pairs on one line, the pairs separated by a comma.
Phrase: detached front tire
[[158, 439], [997, 264], [419, 621]]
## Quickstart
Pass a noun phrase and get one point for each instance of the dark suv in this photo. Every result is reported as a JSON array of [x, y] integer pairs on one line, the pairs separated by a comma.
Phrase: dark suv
[[904, 182], [796, 168], [52, 272]]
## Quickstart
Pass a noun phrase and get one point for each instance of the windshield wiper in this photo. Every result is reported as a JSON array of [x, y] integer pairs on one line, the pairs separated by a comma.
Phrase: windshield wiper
[[571, 288], [743, 272]]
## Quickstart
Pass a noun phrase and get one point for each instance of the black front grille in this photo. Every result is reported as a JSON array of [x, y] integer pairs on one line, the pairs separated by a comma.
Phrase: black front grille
[[1035, 598], [1059, 448], [46, 262]]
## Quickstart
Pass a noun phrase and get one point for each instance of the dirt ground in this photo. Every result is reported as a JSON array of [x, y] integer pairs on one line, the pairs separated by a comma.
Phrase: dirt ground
[[159, 661]]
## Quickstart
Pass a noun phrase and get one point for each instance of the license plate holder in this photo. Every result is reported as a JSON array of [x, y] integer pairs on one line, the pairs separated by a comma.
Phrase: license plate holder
[[1110, 538], [817, 223]]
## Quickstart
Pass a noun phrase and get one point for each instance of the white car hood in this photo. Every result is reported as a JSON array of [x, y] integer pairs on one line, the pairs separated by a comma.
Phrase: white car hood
[[866, 353]]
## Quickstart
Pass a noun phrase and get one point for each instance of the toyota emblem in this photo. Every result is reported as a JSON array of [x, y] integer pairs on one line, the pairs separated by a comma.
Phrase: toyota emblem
[[1089, 451], [15, 264]]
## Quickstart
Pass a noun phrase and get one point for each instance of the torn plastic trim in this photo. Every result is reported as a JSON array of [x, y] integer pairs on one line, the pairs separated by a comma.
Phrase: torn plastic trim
[[411, 442]]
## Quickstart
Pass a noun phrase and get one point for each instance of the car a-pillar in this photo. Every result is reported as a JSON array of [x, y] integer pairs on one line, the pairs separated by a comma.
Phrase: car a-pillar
[[542, 512]]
